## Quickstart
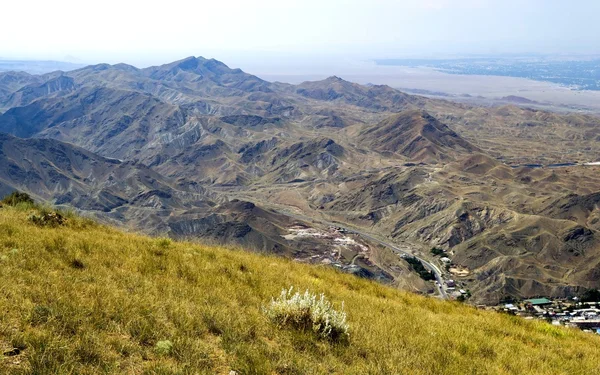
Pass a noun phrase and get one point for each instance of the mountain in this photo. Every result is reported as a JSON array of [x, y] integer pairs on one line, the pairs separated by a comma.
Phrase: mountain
[[200, 73], [320, 157], [198, 150], [181, 307], [417, 135], [111, 122], [54, 85], [582, 209], [13, 81], [130, 192], [375, 97], [65, 174]]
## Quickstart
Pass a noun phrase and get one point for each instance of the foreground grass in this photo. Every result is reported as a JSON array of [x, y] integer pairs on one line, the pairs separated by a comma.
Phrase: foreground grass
[[87, 299]]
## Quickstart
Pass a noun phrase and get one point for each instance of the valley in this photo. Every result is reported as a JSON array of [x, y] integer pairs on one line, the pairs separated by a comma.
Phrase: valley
[[331, 172]]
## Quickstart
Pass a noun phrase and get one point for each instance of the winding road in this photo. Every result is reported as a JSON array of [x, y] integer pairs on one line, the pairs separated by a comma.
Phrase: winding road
[[430, 266], [283, 210]]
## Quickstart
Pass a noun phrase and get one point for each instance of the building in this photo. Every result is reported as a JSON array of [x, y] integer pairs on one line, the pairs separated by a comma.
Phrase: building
[[587, 324], [539, 302]]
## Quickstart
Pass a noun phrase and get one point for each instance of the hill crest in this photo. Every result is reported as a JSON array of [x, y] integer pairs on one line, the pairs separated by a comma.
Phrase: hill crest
[[416, 135]]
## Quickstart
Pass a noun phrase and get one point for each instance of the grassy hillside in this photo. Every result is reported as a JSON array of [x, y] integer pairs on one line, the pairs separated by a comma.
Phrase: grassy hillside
[[82, 298]]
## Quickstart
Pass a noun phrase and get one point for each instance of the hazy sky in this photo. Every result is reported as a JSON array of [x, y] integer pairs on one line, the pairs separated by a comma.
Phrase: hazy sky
[[149, 32]]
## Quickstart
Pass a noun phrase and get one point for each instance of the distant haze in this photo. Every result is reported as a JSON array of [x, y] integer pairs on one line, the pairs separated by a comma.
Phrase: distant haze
[[248, 33]]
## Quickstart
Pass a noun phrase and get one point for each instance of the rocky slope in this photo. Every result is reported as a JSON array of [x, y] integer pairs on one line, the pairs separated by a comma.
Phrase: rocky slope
[[415, 135]]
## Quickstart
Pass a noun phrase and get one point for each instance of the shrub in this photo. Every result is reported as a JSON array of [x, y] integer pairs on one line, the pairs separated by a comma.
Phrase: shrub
[[17, 197], [590, 295], [164, 243], [52, 219], [164, 347], [437, 251], [419, 268], [309, 311]]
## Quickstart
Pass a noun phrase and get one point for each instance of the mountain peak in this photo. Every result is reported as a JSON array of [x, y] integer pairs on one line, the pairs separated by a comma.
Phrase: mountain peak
[[125, 67], [416, 134], [416, 117], [103, 66], [190, 58], [196, 65], [189, 63], [334, 79]]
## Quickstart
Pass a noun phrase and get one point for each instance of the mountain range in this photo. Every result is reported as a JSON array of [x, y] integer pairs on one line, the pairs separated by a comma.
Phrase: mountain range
[[196, 150]]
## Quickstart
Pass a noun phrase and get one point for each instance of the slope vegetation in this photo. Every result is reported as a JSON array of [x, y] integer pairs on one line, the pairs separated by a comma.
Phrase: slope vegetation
[[81, 298]]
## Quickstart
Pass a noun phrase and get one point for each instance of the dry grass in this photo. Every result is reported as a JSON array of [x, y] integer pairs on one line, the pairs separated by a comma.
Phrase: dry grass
[[85, 299]]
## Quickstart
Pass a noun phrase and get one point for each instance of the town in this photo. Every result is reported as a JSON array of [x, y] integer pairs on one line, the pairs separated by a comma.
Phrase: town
[[576, 312]]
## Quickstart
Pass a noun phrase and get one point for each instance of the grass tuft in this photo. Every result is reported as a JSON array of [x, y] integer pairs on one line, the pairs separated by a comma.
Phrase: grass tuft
[[164, 347], [308, 311]]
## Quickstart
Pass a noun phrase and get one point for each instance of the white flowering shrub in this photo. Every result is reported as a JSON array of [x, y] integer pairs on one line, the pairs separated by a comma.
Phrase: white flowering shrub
[[308, 311]]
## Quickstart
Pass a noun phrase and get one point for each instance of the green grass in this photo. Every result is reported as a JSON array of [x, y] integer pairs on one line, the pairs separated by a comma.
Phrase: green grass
[[87, 299]]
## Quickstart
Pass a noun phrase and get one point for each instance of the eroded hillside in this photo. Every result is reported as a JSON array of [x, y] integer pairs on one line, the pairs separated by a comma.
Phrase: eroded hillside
[[194, 149]]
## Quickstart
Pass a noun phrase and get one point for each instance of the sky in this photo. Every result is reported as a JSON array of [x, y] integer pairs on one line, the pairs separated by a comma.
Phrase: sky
[[255, 32]]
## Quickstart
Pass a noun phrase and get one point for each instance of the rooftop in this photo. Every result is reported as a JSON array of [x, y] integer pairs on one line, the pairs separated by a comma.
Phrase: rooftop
[[539, 301]]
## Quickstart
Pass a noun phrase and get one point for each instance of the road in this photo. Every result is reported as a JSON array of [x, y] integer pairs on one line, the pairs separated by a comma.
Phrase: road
[[285, 211], [430, 266]]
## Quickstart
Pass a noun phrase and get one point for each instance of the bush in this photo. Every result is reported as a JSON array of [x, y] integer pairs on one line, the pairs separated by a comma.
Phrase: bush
[[437, 251], [17, 197], [309, 311], [164, 347], [590, 295], [419, 268], [51, 219]]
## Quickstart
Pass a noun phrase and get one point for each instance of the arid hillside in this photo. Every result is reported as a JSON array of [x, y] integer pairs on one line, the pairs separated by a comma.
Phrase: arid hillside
[[366, 174]]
